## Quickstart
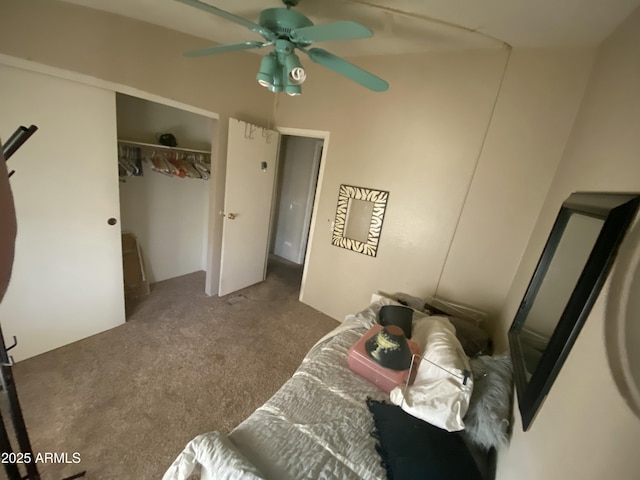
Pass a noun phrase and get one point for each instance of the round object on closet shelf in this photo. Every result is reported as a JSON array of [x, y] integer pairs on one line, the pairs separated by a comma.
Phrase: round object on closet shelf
[[389, 348], [398, 315], [168, 140]]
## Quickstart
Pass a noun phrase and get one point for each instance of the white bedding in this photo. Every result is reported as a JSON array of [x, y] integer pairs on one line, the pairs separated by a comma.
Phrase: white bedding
[[317, 426]]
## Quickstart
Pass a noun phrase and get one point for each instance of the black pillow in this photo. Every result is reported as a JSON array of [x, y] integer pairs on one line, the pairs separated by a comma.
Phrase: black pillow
[[413, 449]]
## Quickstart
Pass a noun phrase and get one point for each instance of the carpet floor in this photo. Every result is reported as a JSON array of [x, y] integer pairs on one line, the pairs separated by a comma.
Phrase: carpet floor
[[129, 399]]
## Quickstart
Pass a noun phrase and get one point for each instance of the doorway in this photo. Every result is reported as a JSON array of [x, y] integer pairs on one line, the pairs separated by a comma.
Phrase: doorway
[[295, 190], [164, 193]]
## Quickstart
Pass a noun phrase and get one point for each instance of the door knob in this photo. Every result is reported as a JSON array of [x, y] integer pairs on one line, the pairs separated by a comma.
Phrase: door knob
[[230, 216]]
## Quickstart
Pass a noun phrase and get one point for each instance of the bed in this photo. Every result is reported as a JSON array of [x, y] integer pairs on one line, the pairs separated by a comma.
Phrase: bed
[[319, 424]]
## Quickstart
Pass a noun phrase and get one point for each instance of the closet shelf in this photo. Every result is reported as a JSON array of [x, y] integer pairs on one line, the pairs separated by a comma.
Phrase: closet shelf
[[161, 147]]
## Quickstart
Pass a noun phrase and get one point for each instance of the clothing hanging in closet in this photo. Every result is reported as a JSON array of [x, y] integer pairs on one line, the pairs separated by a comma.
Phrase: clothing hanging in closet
[[182, 163]]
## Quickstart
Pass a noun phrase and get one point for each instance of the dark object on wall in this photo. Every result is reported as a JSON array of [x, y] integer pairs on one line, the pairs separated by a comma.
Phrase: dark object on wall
[[573, 267], [397, 315], [168, 140]]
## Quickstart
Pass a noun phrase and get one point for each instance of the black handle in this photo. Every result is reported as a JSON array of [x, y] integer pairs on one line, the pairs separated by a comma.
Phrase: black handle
[[16, 140]]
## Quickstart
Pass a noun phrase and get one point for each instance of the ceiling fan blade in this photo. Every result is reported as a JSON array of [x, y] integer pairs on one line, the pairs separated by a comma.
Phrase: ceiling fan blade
[[235, 47], [347, 69], [265, 32], [345, 30]]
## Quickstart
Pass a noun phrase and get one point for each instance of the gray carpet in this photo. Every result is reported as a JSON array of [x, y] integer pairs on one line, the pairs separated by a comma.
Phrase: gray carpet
[[129, 399]]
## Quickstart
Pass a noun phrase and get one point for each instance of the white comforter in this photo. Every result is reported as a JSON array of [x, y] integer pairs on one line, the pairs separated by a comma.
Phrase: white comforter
[[317, 426]]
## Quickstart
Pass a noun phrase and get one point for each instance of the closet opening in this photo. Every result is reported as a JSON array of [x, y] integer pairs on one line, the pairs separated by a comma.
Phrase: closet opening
[[299, 166], [164, 164]]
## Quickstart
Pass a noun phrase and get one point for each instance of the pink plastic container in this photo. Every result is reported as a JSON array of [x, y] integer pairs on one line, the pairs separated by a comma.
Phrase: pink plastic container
[[362, 364]]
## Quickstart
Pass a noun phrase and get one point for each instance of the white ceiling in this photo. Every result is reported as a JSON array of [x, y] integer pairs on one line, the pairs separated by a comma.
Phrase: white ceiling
[[403, 26]]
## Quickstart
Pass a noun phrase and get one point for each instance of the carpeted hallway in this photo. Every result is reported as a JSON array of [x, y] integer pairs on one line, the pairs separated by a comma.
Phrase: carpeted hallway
[[130, 398]]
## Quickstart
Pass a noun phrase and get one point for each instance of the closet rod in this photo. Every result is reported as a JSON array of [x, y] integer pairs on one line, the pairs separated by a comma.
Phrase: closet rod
[[155, 145]]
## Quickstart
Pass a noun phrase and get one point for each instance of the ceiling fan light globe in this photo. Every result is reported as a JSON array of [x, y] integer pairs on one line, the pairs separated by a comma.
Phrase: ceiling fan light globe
[[293, 90], [266, 75], [265, 80], [297, 75], [294, 71]]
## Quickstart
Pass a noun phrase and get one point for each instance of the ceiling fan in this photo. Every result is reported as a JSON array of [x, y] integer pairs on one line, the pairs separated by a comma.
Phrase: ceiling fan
[[288, 30]]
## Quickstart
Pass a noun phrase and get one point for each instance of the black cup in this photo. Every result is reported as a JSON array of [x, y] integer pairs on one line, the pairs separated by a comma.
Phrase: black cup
[[398, 315]]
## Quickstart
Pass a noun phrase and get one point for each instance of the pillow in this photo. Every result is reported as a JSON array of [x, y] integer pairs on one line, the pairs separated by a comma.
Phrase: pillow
[[411, 448], [442, 387], [487, 420]]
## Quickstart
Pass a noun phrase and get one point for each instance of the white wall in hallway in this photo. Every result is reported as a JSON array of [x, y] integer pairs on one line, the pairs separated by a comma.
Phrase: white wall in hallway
[[299, 157]]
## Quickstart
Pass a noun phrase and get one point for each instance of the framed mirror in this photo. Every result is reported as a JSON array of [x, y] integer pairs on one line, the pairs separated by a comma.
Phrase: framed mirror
[[359, 218], [573, 266]]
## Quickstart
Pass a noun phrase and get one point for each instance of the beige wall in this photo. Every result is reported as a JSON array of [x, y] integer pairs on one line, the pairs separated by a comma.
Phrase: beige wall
[[538, 102], [422, 141], [584, 429], [147, 57]]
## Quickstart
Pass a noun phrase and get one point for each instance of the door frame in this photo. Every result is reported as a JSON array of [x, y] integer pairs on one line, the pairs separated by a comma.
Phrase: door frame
[[135, 92], [324, 136]]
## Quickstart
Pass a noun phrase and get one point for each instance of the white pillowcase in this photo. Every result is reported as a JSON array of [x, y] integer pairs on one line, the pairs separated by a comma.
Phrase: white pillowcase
[[439, 394]]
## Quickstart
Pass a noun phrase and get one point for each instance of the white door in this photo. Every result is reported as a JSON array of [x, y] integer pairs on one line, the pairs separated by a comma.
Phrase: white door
[[252, 154], [67, 277]]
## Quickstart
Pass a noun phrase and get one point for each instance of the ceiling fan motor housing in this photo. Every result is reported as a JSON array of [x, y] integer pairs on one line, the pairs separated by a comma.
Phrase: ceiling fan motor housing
[[282, 21]]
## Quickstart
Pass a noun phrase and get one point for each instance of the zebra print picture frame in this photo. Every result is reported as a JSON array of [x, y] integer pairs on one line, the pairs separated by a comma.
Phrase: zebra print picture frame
[[375, 202]]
